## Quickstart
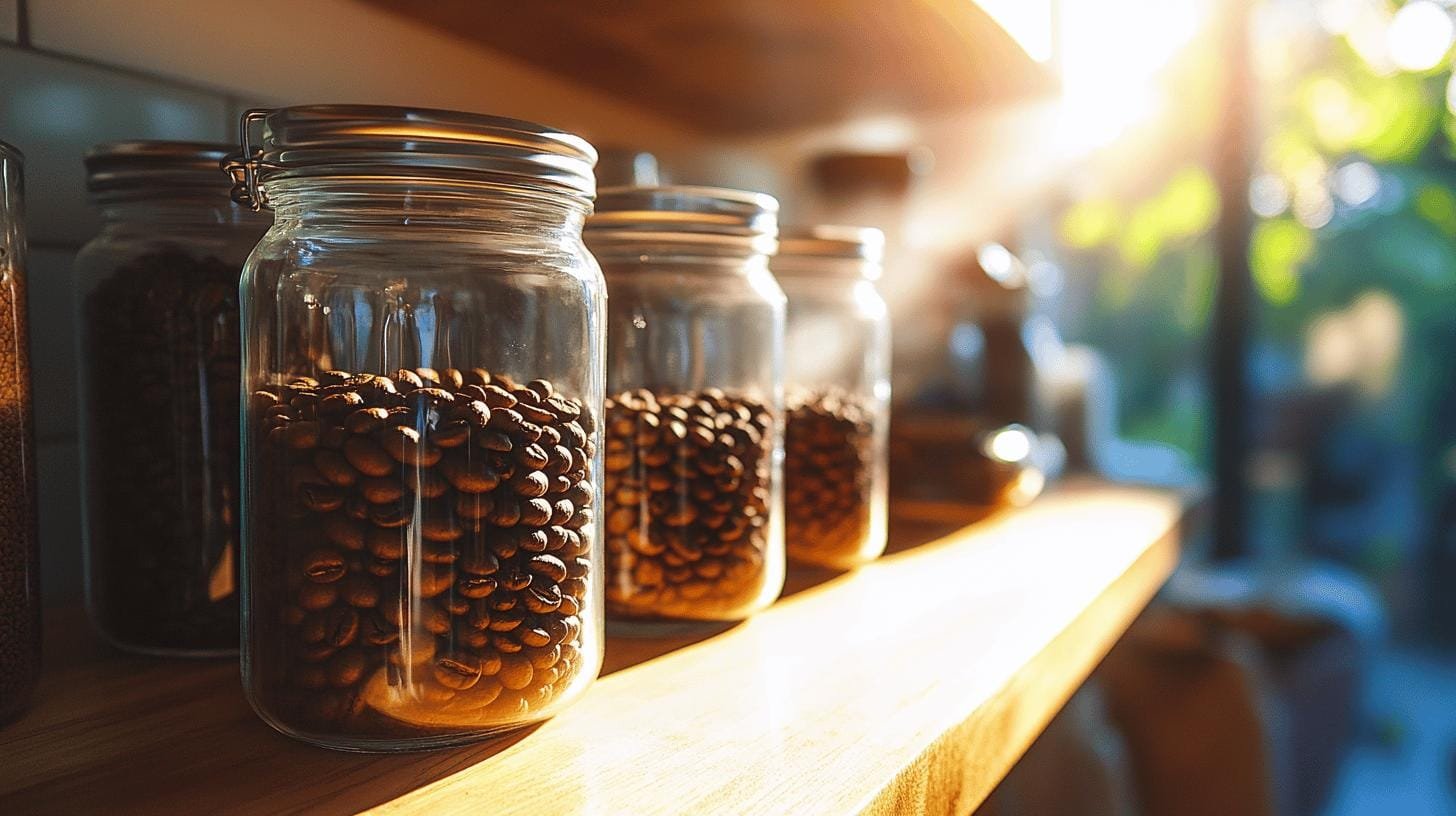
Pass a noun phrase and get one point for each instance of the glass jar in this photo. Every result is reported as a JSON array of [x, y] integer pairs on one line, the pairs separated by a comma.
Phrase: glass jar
[[424, 357], [837, 395], [159, 396], [694, 417], [975, 408], [19, 557]]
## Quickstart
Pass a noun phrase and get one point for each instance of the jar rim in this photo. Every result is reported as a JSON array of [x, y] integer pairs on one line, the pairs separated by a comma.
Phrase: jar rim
[[832, 242], [152, 166], [10, 151], [717, 217], [423, 143]]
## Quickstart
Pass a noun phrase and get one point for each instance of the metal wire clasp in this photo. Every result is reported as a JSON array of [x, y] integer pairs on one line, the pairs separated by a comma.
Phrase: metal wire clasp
[[244, 165]]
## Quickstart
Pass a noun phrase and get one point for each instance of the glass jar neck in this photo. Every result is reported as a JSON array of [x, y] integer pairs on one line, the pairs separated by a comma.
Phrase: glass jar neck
[[415, 204], [683, 258], [847, 271], [203, 212]]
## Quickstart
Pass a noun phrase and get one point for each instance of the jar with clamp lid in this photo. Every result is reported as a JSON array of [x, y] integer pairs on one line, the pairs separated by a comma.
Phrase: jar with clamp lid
[[837, 395], [694, 420], [158, 322], [423, 359]]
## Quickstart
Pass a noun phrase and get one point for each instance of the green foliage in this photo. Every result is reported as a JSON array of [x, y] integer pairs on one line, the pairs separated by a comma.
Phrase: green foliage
[[1278, 250]]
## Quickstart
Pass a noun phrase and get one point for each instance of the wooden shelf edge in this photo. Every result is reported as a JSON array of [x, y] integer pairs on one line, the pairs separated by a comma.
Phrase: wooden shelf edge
[[963, 766], [909, 686]]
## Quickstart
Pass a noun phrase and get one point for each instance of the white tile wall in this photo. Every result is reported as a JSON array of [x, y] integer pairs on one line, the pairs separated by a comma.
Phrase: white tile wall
[[55, 109]]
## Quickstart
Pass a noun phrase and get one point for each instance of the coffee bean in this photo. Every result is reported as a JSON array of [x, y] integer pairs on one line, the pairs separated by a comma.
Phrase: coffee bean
[[405, 446], [459, 670], [469, 476], [368, 457], [475, 586], [529, 484], [360, 592], [515, 672], [324, 566], [344, 532], [316, 596], [333, 466]]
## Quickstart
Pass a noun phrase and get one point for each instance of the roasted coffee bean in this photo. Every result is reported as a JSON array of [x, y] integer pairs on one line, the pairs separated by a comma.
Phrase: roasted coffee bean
[[420, 519], [459, 670], [475, 586], [380, 490], [366, 420], [344, 532], [360, 592], [405, 446], [340, 626], [678, 466], [346, 668], [828, 461], [368, 457], [317, 596], [536, 512], [469, 476], [548, 566], [324, 566], [333, 466]]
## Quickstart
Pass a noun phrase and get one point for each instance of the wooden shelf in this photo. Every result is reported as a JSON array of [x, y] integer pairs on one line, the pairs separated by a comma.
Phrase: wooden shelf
[[754, 66], [909, 686]]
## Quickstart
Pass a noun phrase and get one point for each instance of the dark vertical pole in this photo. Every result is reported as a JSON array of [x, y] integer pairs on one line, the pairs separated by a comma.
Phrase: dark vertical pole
[[1233, 299]]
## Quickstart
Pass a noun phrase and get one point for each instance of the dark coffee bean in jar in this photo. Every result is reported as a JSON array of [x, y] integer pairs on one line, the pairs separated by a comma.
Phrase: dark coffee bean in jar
[[423, 554], [688, 498], [19, 557], [828, 479], [161, 404]]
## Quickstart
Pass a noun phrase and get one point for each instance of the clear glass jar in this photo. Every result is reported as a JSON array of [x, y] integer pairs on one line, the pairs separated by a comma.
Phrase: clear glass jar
[[694, 417], [837, 395], [159, 396], [19, 557], [424, 357]]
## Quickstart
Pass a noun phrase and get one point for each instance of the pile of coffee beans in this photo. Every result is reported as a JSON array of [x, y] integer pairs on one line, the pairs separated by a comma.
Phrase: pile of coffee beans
[[162, 400], [421, 549], [828, 478], [687, 503]]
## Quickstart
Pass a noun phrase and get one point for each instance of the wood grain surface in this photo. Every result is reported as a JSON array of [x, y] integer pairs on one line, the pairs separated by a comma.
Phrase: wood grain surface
[[910, 686], [755, 66]]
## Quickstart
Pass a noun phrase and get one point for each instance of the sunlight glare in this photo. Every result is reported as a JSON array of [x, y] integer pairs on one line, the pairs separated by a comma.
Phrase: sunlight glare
[[1111, 53], [1009, 444], [1029, 22], [1420, 35]]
